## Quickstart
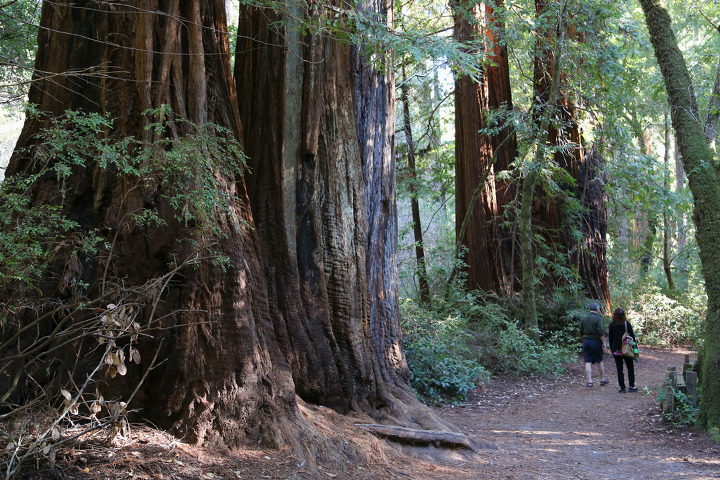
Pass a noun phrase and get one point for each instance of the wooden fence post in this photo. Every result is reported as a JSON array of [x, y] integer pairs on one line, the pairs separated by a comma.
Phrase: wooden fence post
[[669, 388], [672, 377], [687, 366]]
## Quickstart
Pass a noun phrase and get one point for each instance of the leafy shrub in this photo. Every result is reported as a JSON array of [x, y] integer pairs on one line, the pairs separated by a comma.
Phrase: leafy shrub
[[662, 320], [464, 339], [439, 354], [509, 349], [436, 372], [684, 414]]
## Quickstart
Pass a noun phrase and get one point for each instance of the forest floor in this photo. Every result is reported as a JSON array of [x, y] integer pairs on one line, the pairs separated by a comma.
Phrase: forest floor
[[524, 429]]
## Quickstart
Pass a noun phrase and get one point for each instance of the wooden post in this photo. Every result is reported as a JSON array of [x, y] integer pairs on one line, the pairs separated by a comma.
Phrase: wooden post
[[669, 404], [691, 382], [669, 388], [672, 377], [687, 366]]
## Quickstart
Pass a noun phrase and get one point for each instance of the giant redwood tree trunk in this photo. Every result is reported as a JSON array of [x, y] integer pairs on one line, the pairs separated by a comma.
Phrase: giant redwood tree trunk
[[224, 378], [489, 254], [313, 133]]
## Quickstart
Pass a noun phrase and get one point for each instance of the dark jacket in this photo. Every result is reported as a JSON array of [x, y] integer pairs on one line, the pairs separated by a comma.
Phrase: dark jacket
[[591, 326], [615, 334]]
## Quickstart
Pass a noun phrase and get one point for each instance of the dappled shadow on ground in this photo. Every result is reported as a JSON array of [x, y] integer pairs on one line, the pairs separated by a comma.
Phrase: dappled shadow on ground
[[535, 428]]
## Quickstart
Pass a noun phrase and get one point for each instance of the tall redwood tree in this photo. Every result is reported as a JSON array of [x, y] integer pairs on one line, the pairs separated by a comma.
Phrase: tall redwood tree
[[319, 129], [489, 254]]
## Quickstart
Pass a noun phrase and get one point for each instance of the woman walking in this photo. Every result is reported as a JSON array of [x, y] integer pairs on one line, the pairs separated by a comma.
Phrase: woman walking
[[617, 329]]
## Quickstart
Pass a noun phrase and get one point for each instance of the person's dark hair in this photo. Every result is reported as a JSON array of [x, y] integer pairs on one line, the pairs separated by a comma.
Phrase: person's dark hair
[[594, 307], [619, 317]]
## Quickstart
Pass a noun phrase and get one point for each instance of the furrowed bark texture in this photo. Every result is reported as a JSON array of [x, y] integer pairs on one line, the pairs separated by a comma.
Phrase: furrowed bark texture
[[306, 190], [489, 254], [705, 187], [319, 128], [374, 107], [224, 379]]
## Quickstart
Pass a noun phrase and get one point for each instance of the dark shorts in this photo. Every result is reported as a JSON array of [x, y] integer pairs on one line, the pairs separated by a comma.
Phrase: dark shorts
[[592, 350]]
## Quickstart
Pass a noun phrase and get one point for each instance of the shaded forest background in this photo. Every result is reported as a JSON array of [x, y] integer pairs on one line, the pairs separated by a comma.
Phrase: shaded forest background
[[451, 209]]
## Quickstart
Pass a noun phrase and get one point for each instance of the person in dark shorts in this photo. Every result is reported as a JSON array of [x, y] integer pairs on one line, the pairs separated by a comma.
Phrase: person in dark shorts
[[617, 329], [592, 332]]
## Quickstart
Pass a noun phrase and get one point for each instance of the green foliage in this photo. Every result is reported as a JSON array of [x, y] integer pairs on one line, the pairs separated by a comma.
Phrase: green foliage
[[662, 320], [439, 353], [191, 173], [18, 41], [32, 235], [195, 170], [684, 414], [464, 338]]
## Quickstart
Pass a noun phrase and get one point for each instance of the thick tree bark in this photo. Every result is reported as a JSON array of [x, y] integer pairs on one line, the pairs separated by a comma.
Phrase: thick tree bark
[[489, 255], [322, 171], [705, 187], [224, 378], [374, 107], [307, 197]]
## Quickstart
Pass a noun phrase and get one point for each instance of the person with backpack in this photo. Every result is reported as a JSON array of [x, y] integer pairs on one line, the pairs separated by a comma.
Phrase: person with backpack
[[618, 327], [592, 332]]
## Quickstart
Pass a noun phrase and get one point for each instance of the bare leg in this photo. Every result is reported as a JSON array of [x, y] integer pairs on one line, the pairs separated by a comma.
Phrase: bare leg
[[588, 370]]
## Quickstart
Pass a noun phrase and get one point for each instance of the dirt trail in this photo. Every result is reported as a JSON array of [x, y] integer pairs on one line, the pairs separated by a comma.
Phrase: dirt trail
[[560, 429], [526, 429]]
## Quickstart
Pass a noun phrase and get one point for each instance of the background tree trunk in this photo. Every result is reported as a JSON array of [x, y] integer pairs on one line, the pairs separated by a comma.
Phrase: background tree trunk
[[667, 224], [588, 255], [414, 202], [489, 256], [705, 187], [225, 379]]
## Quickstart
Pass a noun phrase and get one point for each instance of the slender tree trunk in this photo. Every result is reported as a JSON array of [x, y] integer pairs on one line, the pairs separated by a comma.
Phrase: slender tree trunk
[[488, 255], [713, 111], [415, 206], [222, 365], [704, 184], [667, 261], [645, 223]]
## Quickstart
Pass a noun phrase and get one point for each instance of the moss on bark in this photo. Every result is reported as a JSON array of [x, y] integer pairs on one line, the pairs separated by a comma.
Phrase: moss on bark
[[697, 160]]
